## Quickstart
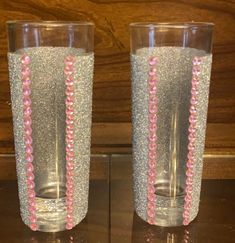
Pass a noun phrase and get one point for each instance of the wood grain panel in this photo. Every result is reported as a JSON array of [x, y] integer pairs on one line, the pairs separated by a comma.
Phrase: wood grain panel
[[112, 91]]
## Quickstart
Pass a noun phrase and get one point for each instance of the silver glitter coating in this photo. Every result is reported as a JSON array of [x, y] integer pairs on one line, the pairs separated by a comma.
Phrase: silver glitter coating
[[48, 125], [174, 71], [203, 95], [18, 124]]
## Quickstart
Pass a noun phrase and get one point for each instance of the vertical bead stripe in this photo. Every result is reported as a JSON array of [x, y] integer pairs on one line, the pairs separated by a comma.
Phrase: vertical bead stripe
[[69, 83], [26, 81], [152, 117], [191, 137]]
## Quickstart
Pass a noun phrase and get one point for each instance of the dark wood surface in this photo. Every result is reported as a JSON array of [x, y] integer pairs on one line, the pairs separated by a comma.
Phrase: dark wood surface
[[111, 217], [214, 223], [112, 68]]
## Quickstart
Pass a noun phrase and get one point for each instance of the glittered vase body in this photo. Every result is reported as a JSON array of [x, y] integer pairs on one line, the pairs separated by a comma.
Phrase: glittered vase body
[[171, 65], [50, 72]]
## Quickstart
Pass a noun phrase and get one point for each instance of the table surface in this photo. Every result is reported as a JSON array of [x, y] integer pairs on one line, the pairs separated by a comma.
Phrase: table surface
[[111, 217]]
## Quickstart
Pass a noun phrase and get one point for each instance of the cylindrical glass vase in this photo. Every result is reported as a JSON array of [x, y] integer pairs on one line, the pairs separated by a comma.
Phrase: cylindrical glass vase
[[171, 66], [50, 72]]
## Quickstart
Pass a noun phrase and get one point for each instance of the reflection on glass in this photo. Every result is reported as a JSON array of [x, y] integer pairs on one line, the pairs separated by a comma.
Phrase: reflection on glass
[[143, 232]]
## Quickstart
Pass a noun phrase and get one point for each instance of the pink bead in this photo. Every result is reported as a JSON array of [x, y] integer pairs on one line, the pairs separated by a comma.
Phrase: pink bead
[[152, 127], [32, 219], [69, 159], [185, 222], [69, 103], [26, 81], [29, 167], [69, 201], [192, 130], [152, 108], [29, 158], [151, 197], [152, 155], [70, 117], [26, 91], [151, 205], [152, 81], [196, 70], [69, 93], [193, 110], [152, 61], [28, 140], [26, 101], [186, 214], [151, 174], [30, 176], [70, 173], [151, 189], [69, 166], [151, 213], [28, 131], [29, 149], [151, 221], [69, 122], [152, 164], [31, 184], [32, 210], [197, 61], [194, 92], [68, 71], [32, 202], [31, 193], [152, 146], [189, 190], [33, 226], [70, 127], [69, 185], [27, 112], [71, 154], [69, 193], [191, 147], [153, 90], [189, 173], [152, 118], [69, 99], [69, 131], [25, 60], [69, 226], [70, 59], [189, 182], [25, 71], [188, 198], [69, 149], [151, 180], [69, 84], [192, 120], [152, 71], [194, 101], [27, 121], [153, 99], [70, 88], [152, 137]]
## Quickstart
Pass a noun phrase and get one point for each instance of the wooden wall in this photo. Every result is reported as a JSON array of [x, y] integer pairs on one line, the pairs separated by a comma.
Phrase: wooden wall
[[112, 104]]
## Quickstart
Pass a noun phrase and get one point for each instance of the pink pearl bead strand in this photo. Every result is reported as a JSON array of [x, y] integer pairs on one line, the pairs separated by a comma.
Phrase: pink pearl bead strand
[[152, 139], [191, 137], [25, 73], [69, 82]]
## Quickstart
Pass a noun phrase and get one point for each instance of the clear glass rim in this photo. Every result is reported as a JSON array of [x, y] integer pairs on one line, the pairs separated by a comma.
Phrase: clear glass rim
[[179, 25], [26, 23]]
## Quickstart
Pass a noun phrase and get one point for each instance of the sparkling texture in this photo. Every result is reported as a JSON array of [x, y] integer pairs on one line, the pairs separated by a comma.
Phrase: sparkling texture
[[174, 70], [48, 128]]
